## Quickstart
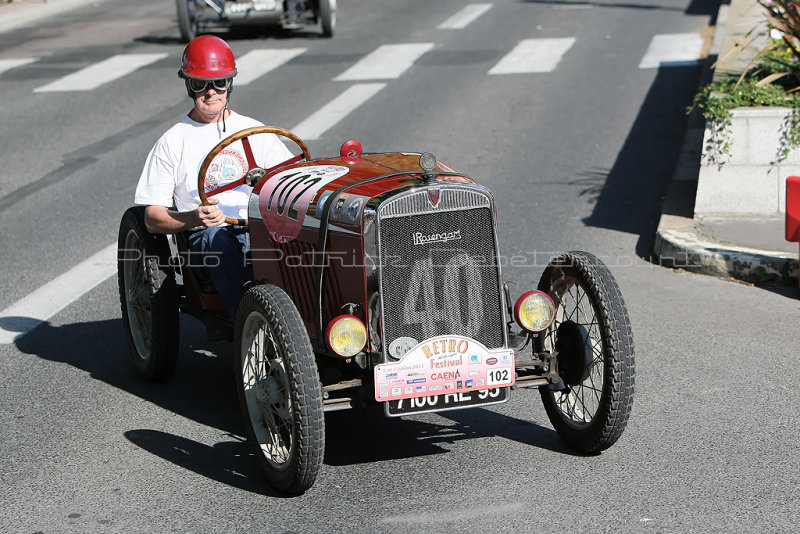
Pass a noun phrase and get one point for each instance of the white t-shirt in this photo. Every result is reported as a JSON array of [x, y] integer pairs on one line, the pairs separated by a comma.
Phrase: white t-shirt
[[170, 172]]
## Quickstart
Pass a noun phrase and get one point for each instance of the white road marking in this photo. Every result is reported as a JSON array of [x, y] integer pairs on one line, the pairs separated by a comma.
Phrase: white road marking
[[533, 55], [8, 64], [386, 62], [100, 73], [24, 315], [463, 18], [335, 110], [257, 63], [672, 50]]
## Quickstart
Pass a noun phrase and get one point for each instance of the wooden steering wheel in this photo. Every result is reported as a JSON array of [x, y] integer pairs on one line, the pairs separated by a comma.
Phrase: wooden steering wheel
[[254, 173]]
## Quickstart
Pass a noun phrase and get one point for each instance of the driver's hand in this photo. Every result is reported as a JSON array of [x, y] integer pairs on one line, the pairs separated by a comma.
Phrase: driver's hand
[[211, 215]]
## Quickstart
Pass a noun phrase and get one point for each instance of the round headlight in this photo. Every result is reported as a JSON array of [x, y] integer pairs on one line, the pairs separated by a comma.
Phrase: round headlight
[[534, 311], [346, 335]]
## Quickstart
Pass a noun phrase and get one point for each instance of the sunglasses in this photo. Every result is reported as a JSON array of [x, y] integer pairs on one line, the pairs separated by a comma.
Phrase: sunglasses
[[201, 86]]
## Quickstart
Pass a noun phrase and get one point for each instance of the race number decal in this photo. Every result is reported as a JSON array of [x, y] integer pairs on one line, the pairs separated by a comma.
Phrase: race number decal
[[284, 199], [444, 365]]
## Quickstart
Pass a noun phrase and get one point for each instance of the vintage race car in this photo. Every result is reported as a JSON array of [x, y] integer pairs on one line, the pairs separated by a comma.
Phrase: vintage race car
[[377, 279], [198, 16]]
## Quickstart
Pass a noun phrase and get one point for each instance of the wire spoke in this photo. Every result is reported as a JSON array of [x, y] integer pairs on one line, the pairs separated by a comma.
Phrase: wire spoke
[[267, 392], [579, 403]]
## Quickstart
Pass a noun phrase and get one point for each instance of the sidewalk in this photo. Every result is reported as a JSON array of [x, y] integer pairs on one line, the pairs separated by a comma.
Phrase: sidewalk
[[17, 13], [750, 249]]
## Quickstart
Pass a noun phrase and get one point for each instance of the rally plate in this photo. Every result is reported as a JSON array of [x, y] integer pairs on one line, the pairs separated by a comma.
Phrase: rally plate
[[447, 372]]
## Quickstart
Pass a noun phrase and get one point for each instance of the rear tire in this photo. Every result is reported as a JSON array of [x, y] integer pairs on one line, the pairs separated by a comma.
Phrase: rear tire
[[148, 297], [327, 17], [279, 389], [592, 334], [187, 19]]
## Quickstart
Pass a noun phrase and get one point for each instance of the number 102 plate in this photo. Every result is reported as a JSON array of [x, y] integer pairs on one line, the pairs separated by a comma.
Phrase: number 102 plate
[[443, 373]]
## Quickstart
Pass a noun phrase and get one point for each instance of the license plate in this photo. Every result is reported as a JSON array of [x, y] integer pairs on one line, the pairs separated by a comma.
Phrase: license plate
[[240, 9], [447, 401]]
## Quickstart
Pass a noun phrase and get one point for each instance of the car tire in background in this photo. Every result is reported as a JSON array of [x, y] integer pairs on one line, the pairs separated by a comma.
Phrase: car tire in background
[[148, 297], [327, 17], [592, 335], [279, 389], [187, 19]]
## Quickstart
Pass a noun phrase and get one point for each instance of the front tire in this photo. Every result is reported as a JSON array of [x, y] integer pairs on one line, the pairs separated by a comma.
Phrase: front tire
[[592, 334], [279, 389], [148, 297]]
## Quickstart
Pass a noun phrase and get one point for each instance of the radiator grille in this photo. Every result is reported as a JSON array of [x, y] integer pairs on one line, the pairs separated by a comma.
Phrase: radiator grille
[[439, 274]]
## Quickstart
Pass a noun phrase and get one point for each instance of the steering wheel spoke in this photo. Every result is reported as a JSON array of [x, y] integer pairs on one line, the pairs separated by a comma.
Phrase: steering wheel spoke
[[253, 172]]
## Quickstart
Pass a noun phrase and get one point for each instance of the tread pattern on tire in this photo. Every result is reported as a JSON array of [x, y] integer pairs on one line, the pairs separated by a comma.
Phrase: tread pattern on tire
[[291, 337], [618, 353], [165, 326]]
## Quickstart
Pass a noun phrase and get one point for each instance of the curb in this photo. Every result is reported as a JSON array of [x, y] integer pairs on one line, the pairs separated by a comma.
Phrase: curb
[[679, 246]]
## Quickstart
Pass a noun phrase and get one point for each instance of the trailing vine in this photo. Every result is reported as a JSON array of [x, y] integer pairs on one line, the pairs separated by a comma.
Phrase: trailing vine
[[718, 98]]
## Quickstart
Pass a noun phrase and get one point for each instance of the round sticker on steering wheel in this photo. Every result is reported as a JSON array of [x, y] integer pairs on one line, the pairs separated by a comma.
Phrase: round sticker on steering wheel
[[227, 166], [284, 198]]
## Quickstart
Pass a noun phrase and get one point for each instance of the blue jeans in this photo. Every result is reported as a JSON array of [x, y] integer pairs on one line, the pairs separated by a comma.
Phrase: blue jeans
[[220, 250]]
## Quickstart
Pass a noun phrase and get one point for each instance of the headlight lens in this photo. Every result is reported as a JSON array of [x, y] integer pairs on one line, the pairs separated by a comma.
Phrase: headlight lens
[[346, 335], [534, 311]]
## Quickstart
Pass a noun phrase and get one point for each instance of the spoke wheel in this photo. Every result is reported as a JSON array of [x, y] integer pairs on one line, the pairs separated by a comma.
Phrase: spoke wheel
[[148, 297], [592, 336], [279, 389]]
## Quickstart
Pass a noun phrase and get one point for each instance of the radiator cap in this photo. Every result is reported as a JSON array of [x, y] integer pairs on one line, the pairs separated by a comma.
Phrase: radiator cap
[[427, 162]]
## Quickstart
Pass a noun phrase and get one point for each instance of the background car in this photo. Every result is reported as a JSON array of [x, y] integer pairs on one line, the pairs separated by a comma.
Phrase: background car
[[199, 16]]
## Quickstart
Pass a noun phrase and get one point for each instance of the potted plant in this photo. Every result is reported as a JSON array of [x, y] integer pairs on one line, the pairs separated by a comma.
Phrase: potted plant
[[753, 122]]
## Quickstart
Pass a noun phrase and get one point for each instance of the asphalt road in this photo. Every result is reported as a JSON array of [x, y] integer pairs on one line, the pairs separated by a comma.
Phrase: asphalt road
[[578, 158]]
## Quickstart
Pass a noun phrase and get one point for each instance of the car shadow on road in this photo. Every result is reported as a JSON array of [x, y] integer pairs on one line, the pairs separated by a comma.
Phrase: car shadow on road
[[380, 438], [228, 462], [202, 389]]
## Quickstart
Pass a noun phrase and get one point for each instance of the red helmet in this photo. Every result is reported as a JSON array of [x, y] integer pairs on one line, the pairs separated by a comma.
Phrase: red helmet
[[207, 58]]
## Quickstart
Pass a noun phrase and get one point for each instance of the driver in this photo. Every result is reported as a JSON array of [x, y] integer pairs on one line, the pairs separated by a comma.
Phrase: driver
[[168, 183]]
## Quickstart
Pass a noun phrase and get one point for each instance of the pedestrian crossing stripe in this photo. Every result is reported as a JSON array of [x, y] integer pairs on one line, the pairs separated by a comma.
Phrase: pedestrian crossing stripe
[[465, 17], [533, 55], [386, 62], [98, 74], [257, 63], [673, 50], [8, 64]]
